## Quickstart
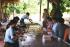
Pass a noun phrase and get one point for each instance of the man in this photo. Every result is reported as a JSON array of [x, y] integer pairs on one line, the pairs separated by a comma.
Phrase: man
[[23, 18]]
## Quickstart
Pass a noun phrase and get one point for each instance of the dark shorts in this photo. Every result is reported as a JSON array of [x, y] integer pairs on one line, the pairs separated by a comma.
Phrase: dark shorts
[[7, 44]]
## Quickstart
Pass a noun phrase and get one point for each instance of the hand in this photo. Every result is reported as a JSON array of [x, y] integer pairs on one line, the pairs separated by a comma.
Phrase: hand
[[30, 20], [15, 38]]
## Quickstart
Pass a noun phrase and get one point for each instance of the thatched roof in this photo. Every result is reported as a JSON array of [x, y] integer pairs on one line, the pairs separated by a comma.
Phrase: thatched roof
[[9, 1]]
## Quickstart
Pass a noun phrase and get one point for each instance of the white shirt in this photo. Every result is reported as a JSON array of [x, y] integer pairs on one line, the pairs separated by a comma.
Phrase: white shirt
[[54, 27], [9, 35], [25, 17]]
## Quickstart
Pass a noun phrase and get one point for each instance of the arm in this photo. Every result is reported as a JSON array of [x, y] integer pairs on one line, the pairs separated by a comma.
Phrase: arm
[[65, 34], [30, 20]]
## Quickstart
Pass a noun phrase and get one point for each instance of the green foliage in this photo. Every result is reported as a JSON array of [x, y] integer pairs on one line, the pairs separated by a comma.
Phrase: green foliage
[[32, 6], [64, 5], [17, 11], [15, 7], [11, 8], [26, 6], [20, 7], [67, 10]]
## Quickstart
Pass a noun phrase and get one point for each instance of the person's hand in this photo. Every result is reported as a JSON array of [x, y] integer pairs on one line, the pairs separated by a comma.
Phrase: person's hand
[[30, 20], [15, 37]]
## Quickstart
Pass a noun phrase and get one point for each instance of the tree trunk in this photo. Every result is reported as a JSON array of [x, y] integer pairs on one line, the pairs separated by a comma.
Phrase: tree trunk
[[56, 9]]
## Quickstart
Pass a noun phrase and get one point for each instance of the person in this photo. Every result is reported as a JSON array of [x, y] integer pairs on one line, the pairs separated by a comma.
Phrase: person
[[10, 35], [61, 28], [67, 35], [54, 28], [45, 15], [49, 26], [16, 19], [0, 26], [47, 32], [23, 18], [5, 18], [1, 33]]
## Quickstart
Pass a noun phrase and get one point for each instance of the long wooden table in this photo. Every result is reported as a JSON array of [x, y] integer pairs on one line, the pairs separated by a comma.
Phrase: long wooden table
[[37, 42]]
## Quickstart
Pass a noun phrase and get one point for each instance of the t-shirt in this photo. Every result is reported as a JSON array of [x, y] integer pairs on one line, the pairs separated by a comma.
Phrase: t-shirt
[[25, 17]]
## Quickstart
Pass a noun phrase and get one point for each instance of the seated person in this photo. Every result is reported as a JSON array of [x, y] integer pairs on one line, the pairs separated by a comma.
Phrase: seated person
[[2, 31]]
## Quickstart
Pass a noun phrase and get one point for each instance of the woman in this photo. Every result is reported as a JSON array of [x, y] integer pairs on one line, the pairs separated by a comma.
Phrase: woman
[[45, 15], [9, 35]]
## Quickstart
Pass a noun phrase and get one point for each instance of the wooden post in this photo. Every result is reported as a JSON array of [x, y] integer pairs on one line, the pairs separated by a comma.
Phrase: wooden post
[[13, 10], [48, 5], [2, 10], [40, 8], [5, 7]]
